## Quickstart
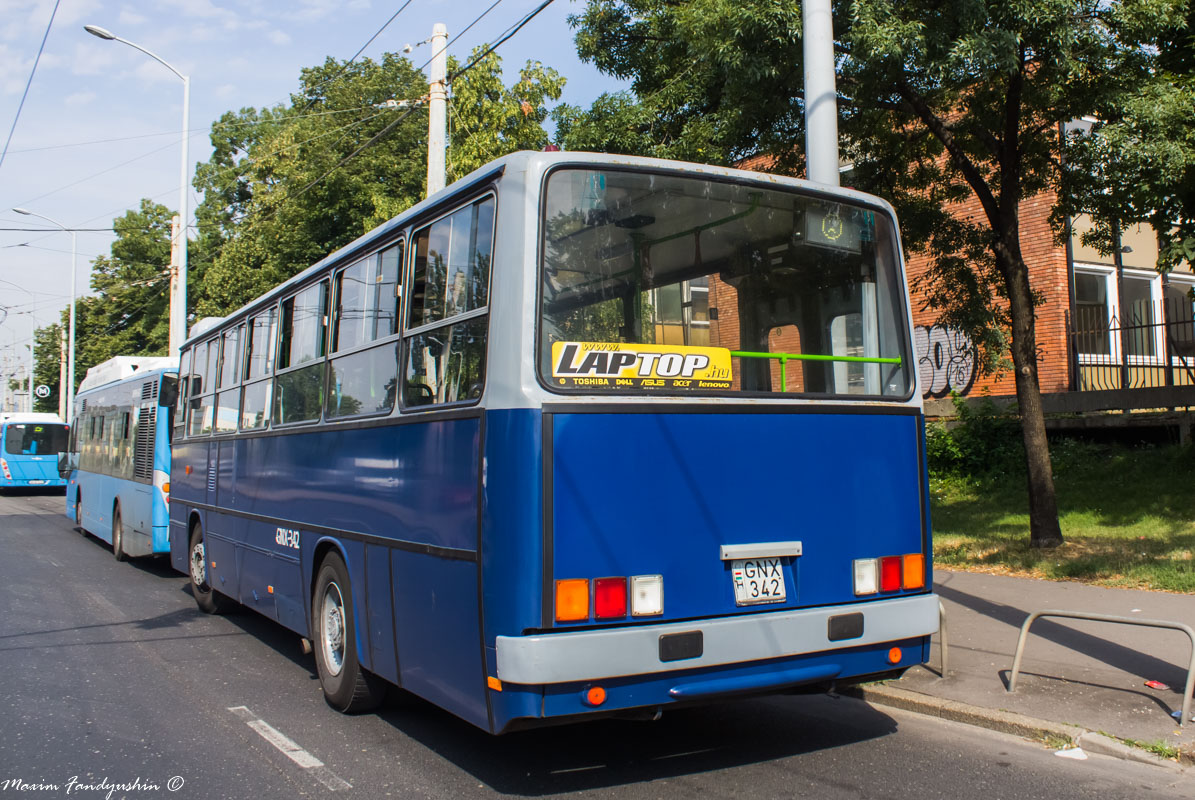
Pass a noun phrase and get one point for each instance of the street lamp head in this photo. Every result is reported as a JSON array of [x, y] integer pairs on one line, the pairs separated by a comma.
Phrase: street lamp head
[[24, 211], [96, 30]]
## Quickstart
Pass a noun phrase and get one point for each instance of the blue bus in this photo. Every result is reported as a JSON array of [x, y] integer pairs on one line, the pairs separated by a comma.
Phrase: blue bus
[[29, 448], [119, 466], [577, 435]]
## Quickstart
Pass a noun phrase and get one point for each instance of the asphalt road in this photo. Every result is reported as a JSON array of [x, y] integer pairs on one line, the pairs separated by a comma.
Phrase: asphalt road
[[111, 676]]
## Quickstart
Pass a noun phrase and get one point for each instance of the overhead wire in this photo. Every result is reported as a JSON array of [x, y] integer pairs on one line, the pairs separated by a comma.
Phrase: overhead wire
[[503, 37], [41, 49]]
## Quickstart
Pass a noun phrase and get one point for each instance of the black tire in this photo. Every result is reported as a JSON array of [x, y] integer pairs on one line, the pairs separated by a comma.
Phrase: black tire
[[209, 600], [118, 535], [79, 513], [347, 687]]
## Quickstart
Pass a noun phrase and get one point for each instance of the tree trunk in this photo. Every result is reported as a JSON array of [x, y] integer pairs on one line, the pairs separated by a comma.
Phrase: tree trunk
[[1044, 530]]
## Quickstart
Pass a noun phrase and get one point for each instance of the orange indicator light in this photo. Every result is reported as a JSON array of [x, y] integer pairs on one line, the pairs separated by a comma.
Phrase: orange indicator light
[[914, 571], [572, 600], [493, 683], [894, 655], [270, 589], [595, 696]]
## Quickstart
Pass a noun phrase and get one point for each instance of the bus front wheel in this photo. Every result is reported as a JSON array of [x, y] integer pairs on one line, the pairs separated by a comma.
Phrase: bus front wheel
[[347, 687], [118, 535], [207, 598], [79, 513]]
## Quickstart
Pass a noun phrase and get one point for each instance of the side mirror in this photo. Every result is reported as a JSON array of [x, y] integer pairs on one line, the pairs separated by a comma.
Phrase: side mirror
[[67, 463]]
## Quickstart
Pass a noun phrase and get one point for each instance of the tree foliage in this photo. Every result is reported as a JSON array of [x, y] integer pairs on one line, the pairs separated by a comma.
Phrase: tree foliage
[[941, 103], [1137, 163], [288, 185], [488, 119]]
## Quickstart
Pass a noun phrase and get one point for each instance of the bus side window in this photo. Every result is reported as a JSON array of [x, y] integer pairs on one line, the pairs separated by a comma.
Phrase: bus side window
[[299, 385], [260, 344], [367, 299], [180, 404], [446, 352]]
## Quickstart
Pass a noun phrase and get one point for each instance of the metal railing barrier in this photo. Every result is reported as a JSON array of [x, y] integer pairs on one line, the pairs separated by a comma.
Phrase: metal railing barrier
[[1149, 623]]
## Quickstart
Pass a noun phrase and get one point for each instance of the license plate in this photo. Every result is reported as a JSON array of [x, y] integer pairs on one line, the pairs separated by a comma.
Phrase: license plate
[[757, 580], [36, 483]]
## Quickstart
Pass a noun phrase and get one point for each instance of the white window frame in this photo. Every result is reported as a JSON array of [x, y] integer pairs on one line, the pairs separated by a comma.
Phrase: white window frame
[[1186, 281], [1115, 355]]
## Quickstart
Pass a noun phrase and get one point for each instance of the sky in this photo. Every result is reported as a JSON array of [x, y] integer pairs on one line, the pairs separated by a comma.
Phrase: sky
[[101, 124]]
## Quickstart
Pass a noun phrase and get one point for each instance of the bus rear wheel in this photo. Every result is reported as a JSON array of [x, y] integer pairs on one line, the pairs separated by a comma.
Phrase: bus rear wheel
[[118, 535], [79, 513], [348, 688], [208, 599]]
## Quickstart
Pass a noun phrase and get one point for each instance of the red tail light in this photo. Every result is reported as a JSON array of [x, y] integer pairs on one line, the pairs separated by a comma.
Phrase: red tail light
[[890, 573], [610, 598]]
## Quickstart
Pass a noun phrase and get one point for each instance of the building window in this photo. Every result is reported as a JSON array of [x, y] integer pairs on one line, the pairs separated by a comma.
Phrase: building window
[[1092, 314]]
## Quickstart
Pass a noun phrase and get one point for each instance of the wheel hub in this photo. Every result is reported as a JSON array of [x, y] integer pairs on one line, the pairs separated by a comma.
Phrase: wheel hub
[[198, 565]]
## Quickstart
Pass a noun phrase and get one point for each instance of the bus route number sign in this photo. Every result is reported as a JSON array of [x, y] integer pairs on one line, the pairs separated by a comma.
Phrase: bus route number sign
[[757, 580]]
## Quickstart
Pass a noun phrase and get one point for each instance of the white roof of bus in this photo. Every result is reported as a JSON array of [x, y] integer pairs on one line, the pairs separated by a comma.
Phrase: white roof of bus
[[120, 367], [20, 417]]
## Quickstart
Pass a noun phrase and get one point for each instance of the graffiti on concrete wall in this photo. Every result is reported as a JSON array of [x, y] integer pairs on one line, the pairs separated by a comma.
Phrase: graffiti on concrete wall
[[945, 359]]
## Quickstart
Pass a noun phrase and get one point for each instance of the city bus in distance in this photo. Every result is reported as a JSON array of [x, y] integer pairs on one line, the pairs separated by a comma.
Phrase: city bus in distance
[[118, 485], [577, 435], [29, 448]]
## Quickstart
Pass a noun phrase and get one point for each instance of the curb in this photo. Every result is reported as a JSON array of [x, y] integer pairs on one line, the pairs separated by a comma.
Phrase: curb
[[1004, 722]]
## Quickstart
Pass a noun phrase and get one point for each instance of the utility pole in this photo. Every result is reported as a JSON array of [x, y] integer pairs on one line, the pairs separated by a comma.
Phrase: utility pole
[[821, 93], [32, 340], [437, 117], [62, 374]]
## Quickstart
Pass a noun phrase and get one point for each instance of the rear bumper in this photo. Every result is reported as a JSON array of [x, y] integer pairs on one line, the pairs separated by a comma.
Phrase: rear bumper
[[32, 483], [615, 652]]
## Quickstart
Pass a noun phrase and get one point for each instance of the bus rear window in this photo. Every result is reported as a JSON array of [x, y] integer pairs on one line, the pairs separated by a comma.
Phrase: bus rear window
[[35, 440], [654, 282]]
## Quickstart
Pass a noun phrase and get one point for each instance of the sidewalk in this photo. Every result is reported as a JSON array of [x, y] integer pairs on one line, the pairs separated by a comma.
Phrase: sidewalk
[[1090, 675]]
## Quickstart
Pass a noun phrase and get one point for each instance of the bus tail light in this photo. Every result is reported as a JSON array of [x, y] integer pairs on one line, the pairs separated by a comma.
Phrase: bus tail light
[[890, 569], [867, 576], [914, 571], [610, 598], [572, 600], [889, 574], [4, 466], [647, 595]]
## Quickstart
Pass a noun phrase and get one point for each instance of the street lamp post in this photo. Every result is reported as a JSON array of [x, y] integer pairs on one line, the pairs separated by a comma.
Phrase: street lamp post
[[178, 294], [70, 357]]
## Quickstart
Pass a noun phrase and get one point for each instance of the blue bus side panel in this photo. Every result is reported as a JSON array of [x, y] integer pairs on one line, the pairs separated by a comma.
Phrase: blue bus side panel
[[438, 633], [642, 494], [379, 614], [512, 552], [414, 483]]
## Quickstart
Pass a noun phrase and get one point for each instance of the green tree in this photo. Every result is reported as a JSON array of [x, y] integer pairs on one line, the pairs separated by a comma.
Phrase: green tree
[[47, 358], [488, 120], [286, 186], [940, 102], [1137, 164]]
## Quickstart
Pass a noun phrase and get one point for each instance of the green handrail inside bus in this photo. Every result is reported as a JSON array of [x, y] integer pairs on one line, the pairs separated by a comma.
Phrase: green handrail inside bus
[[784, 358]]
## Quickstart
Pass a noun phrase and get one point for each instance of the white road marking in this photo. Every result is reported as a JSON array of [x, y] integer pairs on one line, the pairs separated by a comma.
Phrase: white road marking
[[289, 748]]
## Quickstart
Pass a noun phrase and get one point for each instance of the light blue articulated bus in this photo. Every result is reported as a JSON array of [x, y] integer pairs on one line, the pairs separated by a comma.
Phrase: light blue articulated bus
[[29, 448], [578, 435], [118, 485]]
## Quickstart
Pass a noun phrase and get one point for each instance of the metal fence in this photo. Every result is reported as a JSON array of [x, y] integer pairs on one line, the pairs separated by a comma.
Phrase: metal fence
[[1154, 345]]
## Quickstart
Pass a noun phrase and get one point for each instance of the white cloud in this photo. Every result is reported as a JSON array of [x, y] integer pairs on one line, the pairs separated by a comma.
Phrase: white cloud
[[278, 38], [79, 98], [226, 90], [92, 59], [128, 16]]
